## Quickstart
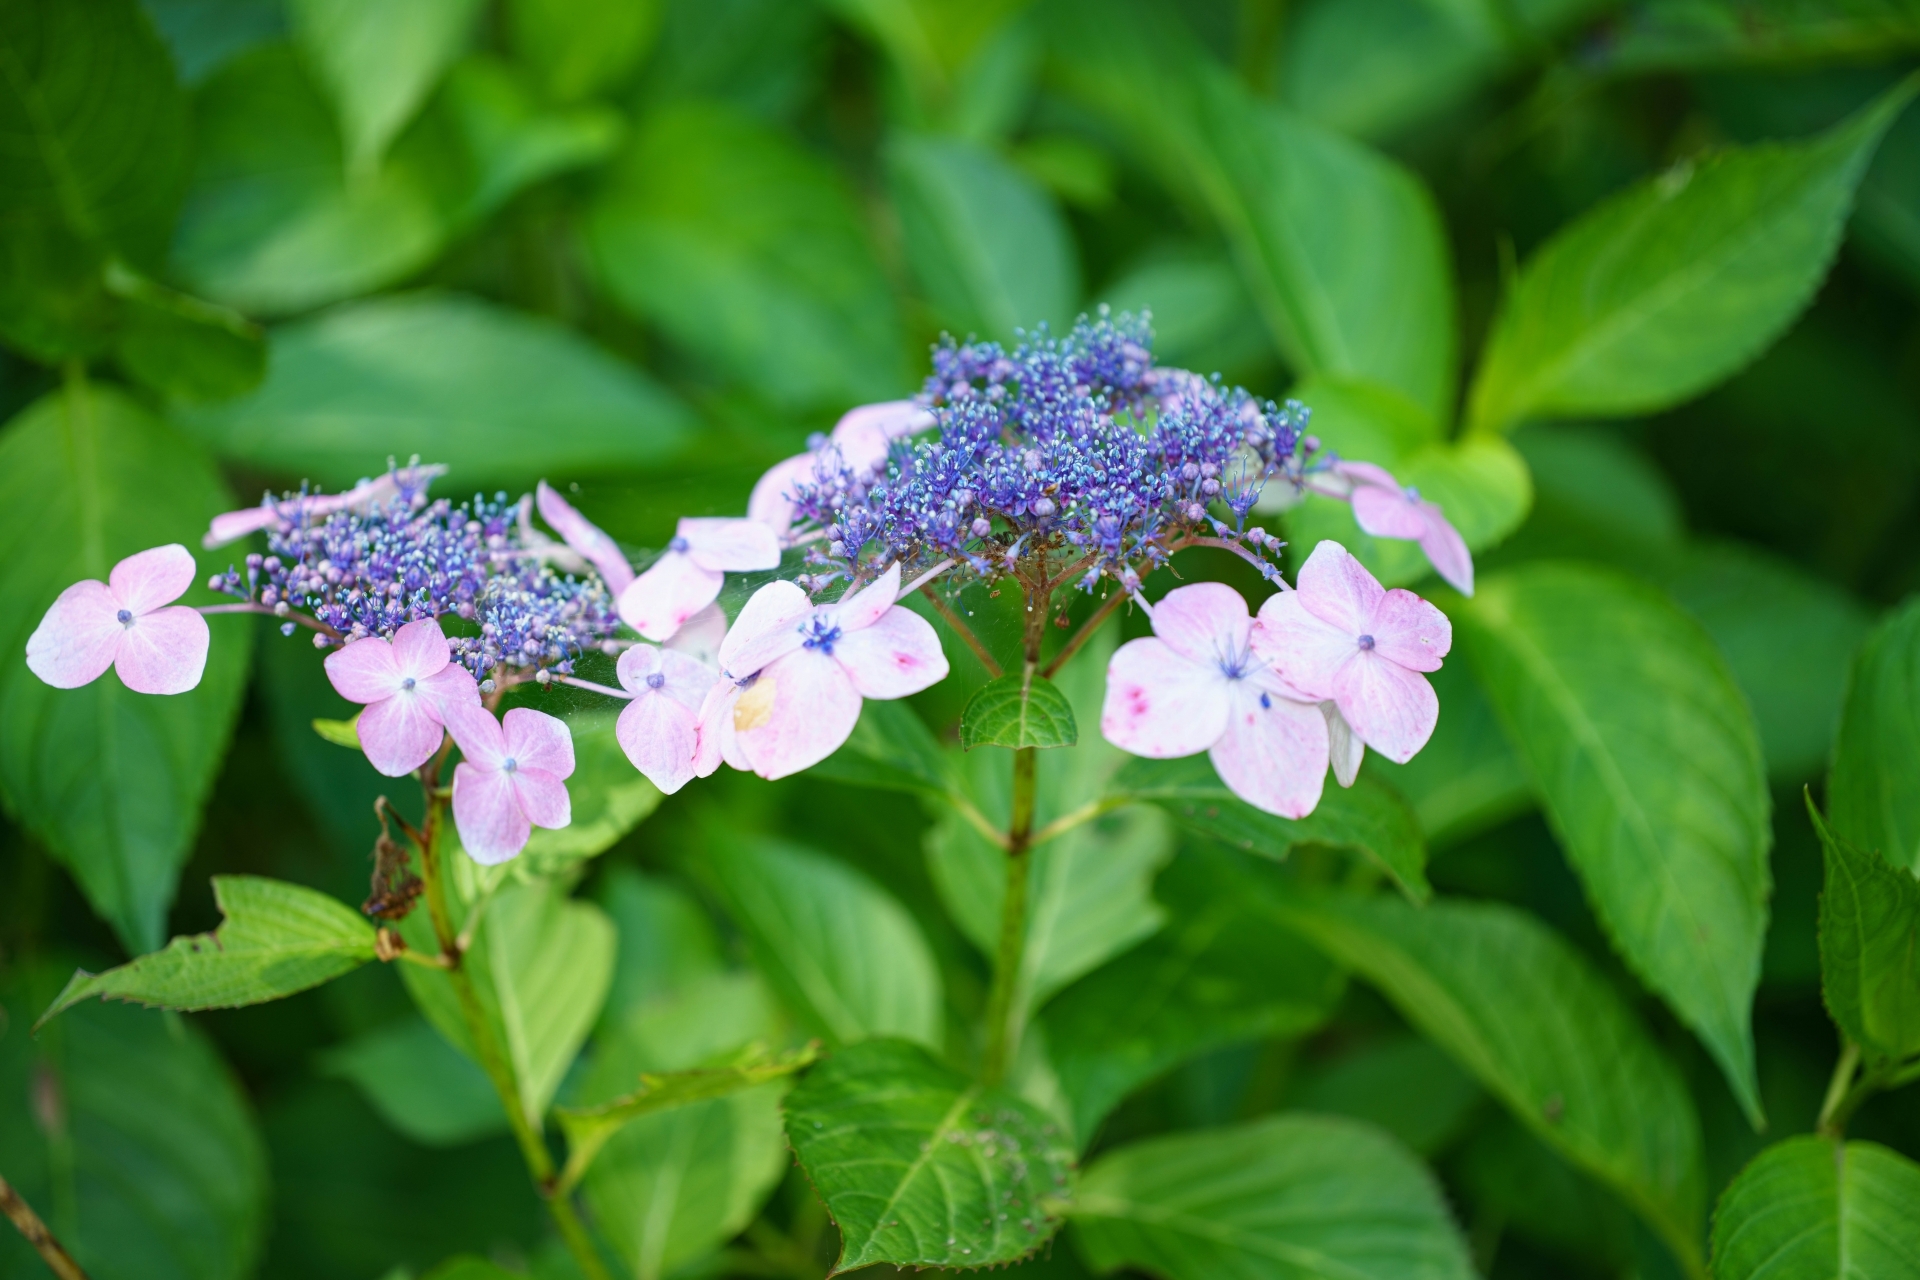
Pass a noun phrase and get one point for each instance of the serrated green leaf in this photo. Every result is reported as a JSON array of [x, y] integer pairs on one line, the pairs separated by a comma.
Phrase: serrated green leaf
[[989, 249], [422, 1086], [378, 60], [1811, 1209], [1217, 974], [1869, 947], [920, 1166], [1018, 711], [274, 939], [751, 254], [1873, 792], [1369, 817], [451, 378], [846, 958], [541, 965], [588, 1129], [93, 168], [1646, 757], [112, 781], [1521, 1010], [1657, 294], [132, 1137], [1281, 1198], [1342, 249], [341, 733]]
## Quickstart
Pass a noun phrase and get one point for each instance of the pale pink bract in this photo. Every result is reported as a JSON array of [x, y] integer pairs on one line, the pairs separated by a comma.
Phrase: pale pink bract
[[407, 685], [660, 728], [585, 537], [1385, 508], [862, 437], [1196, 685], [512, 778], [129, 623], [1342, 637], [231, 526], [688, 575], [794, 673]]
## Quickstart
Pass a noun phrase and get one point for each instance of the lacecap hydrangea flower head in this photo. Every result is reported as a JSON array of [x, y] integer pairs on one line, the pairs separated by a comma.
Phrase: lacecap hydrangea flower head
[[1061, 464]]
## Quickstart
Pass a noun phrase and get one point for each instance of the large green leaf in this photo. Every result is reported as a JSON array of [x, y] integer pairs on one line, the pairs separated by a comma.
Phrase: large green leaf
[[272, 222], [1217, 974], [1342, 249], [112, 781], [1646, 757], [1368, 817], [750, 253], [1521, 1010], [582, 47], [1874, 790], [422, 1086], [671, 1185], [1666, 289], [133, 1140], [93, 152], [1869, 947], [182, 347], [666, 939], [515, 140], [846, 958], [274, 939], [1289, 1197], [1811, 1209], [1375, 68], [497, 394], [541, 965], [920, 1166], [990, 251], [1018, 711], [378, 60], [1400, 1083]]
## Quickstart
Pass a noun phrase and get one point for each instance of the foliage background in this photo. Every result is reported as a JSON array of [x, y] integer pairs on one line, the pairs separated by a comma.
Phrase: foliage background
[[646, 248]]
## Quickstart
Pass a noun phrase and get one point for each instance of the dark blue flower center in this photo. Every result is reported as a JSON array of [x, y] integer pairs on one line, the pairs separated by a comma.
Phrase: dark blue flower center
[[509, 765], [655, 680], [1366, 642], [125, 616], [820, 634], [678, 544], [407, 683]]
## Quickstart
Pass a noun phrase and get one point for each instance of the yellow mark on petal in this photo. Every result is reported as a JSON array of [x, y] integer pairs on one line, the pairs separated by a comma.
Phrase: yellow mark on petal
[[754, 706]]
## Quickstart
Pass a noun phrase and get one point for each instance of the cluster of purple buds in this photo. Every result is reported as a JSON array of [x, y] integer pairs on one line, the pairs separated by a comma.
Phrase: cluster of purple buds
[[368, 568], [1076, 445]]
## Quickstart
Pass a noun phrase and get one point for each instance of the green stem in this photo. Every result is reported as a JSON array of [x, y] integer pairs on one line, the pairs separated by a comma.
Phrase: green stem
[[1843, 1093], [1002, 1000], [533, 1147]]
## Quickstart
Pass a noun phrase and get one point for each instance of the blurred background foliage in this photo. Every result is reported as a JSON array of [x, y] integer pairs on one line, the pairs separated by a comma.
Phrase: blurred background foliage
[[645, 247]]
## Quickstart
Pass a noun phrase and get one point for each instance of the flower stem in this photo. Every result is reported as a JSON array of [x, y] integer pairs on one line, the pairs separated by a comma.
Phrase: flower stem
[[966, 634], [1003, 1003], [533, 1147], [21, 1214], [1085, 633]]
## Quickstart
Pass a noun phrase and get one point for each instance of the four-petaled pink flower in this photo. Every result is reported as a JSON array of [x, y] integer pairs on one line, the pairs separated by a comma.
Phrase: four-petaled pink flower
[[129, 623], [687, 576], [1341, 636], [233, 525], [408, 687], [660, 729], [793, 674], [862, 437], [1385, 508], [1196, 685], [585, 537], [512, 778]]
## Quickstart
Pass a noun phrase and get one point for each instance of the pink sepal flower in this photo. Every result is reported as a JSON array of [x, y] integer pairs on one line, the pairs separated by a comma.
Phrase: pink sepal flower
[[701, 636], [1344, 747], [407, 686], [1385, 508], [234, 525], [1342, 637], [585, 537], [1196, 685], [793, 674], [862, 437], [129, 623], [660, 729], [512, 778], [687, 576]]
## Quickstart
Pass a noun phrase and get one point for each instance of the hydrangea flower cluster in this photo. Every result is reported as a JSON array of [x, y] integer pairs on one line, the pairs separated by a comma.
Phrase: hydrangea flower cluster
[[1063, 461], [371, 566]]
